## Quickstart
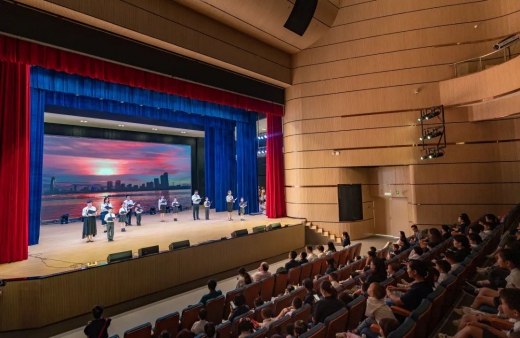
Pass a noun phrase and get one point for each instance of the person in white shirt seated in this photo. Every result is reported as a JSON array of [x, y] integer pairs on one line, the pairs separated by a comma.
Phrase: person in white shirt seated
[[245, 327], [310, 253], [331, 248], [376, 309], [416, 252], [321, 251], [488, 228], [444, 270], [297, 303], [333, 278], [198, 326], [451, 258], [267, 316], [263, 272]]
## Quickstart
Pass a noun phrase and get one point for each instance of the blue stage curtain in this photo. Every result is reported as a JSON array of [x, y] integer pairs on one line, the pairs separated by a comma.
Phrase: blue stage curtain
[[219, 165], [36, 165], [247, 176]]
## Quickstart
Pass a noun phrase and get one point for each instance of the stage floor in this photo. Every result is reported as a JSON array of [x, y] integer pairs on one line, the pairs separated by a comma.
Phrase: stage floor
[[62, 249]]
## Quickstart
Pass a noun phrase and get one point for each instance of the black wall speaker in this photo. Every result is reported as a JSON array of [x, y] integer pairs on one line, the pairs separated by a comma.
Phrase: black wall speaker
[[239, 233], [179, 245], [275, 226], [260, 228], [301, 16], [148, 251], [350, 202], [119, 256]]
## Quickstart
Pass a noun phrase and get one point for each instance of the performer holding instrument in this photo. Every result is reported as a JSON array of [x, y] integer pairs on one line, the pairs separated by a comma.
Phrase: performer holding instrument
[[161, 204], [138, 214], [129, 204], [196, 205], [207, 205], [89, 221], [109, 219], [230, 201], [175, 206], [104, 210], [122, 216], [243, 206]]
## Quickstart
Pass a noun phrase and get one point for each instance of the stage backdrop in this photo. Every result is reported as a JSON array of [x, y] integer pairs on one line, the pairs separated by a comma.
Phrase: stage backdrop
[[76, 169]]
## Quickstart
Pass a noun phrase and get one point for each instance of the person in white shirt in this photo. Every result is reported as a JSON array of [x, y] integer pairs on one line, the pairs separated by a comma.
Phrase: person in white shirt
[[296, 304], [333, 278], [103, 209], [267, 316], [376, 309], [196, 205], [310, 254], [198, 326], [321, 251], [230, 201], [161, 205], [110, 218], [129, 204], [89, 221], [175, 207], [444, 269], [263, 272], [138, 214], [122, 217]]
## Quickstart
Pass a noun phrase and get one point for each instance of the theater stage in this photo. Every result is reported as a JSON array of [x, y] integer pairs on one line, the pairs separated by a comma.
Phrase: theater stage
[[62, 249]]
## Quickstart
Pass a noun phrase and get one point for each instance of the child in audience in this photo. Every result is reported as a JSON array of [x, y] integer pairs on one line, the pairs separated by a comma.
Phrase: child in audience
[[289, 289], [245, 327], [303, 258], [240, 309], [392, 268], [310, 253], [333, 278], [300, 327], [198, 326], [345, 297], [99, 326], [435, 275], [209, 330], [331, 266], [488, 228], [444, 269], [267, 316], [474, 240], [297, 303], [321, 251], [258, 302], [331, 248], [376, 309], [416, 252], [451, 257]]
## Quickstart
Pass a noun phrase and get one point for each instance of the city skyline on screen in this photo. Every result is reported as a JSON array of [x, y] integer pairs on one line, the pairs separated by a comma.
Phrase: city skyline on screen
[[78, 164]]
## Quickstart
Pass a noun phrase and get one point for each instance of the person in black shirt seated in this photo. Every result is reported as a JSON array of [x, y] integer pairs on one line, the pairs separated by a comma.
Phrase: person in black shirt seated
[[377, 265], [346, 239], [309, 287], [461, 247], [292, 263], [213, 293], [417, 270], [328, 304], [435, 238], [463, 223], [303, 258], [240, 309], [97, 328], [331, 266], [445, 231], [403, 241]]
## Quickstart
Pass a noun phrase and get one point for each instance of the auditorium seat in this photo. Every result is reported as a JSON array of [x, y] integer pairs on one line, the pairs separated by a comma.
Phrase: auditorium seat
[[224, 329], [293, 276], [351, 252], [200, 335], [190, 315], [141, 331], [299, 292], [306, 272], [335, 256], [343, 256], [258, 333], [258, 311], [169, 322], [324, 265], [114, 336], [266, 288], [437, 300], [280, 303], [449, 284], [345, 272], [230, 296], [279, 326], [387, 282], [359, 264], [398, 276], [251, 293], [234, 325], [316, 267], [317, 283], [357, 249], [421, 316], [303, 313], [317, 331], [280, 284], [215, 307], [356, 310], [406, 330], [336, 323]]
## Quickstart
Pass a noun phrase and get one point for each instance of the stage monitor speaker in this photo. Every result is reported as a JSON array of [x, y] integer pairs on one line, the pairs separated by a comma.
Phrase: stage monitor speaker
[[275, 226], [119, 256], [148, 251], [260, 228], [239, 233], [179, 245], [350, 202], [301, 16]]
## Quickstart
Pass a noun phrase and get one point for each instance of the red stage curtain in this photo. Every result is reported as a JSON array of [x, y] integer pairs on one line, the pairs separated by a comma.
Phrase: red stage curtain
[[275, 189], [14, 161], [15, 50]]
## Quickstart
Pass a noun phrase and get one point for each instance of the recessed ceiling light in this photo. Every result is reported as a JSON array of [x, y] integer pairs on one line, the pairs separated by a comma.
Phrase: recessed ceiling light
[[83, 121], [154, 128], [183, 132], [121, 125], [263, 129]]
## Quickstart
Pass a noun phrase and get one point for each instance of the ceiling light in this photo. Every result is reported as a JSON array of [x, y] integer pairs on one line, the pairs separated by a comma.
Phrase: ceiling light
[[429, 116], [183, 132], [154, 128], [158, 108], [263, 129], [433, 153], [429, 134], [83, 121], [121, 125], [476, 25]]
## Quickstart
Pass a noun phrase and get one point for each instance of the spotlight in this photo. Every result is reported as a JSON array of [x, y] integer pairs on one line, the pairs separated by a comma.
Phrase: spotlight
[[429, 134], [429, 116], [433, 153], [64, 219]]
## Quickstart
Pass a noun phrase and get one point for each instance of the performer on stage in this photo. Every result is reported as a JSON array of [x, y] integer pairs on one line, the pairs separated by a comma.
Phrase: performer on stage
[[89, 221], [104, 210], [207, 205], [162, 206], [110, 219], [138, 214], [129, 204], [196, 205], [242, 206], [230, 201], [122, 216], [175, 207]]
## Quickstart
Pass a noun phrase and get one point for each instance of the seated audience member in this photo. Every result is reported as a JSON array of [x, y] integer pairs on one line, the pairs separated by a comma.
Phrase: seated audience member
[[292, 263], [376, 309], [331, 266], [198, 326], [392, 268], [387, 326], [488, 228], [243, 278], [396, 249], [373, 248], [245, 327], [415, 253], [185, 333], [333, 278], [444, 268], [418, 271], [445, 232], [310, 253], [452, 258], [267, 317], [300, 327], [289, 330], [213, 293], [321, 251], [303, 258], [474, 240], [460, 247], [378, 275], [210, 331], [330, 248], [165, 334], [346, 239], [418, 235], [309, 287], [435, 274], [97, 328], [297, 303], [435, 238], [345, 298], [478, 325], [403, 242], [240, 309], [289, 289], [462, 226], [263, 272], [328, 304], [258, 302]]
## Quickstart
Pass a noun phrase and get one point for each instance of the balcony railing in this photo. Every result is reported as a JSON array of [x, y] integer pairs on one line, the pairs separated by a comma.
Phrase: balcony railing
[[486, 61]]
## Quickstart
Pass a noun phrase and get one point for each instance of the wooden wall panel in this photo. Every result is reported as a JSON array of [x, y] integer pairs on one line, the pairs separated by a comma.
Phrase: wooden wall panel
[[356, 230], [482, 173], [447, 214], [495, 109], [315, 195], [445, 194], [26, 304]]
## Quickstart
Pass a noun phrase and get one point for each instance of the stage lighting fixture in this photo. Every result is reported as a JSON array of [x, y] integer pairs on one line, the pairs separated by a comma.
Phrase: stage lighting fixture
[[430, 134], [431, 154], [152, 210], [64, 219], [429, 116]]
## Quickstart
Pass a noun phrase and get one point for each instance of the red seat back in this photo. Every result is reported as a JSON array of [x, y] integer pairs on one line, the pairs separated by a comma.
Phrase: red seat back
[[343, 256], [303, 313], [280, 284], [169, 323], [230, 296], [141, 331], [316, 267], [251, 293], [293, 277], [356, 312], [280, 303], [300, 292], [215, 307], [234, 325], [266, 288], [306, 272], [190, 315], [224, 329], [336, 323], [279, 326]]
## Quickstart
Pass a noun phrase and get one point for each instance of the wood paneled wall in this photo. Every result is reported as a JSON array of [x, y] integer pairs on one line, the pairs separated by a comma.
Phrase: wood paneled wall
[[354, 92], [36, 303]]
